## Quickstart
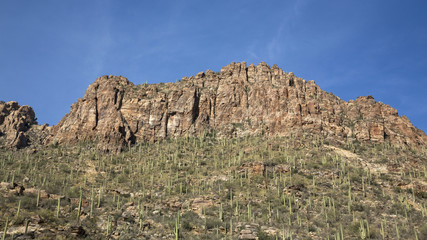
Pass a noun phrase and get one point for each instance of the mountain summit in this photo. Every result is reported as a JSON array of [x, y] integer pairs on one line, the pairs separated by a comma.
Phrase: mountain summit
[[239, 100]]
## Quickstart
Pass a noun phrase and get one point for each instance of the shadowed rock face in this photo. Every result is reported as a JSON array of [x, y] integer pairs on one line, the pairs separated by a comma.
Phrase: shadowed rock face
[[15, 121], [240, 100]]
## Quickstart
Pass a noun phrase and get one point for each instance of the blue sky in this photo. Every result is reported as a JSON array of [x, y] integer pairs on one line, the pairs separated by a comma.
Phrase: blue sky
[[50, 51]]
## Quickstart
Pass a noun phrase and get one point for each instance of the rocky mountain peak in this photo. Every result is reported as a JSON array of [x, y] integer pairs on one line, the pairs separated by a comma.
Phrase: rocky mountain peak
[[237, 101]]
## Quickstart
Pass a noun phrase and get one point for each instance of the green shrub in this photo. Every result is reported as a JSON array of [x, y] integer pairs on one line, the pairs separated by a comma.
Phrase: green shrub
[[212, 222], [264, 236]]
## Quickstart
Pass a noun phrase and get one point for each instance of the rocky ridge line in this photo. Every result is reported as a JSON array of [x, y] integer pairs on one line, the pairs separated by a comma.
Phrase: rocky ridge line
[[240, 100]]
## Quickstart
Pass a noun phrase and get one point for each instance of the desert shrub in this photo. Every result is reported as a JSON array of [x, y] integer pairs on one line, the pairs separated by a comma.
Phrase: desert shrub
[[354, 228], [65, 168], [212, 222], [73, 192], [29, 202], [54, 186], [47, 215], [397, 208], [422, 232], [190, 219], [19, 220], [421, 194], [264, 236], [187, 226], [355, 175], [311, 228]]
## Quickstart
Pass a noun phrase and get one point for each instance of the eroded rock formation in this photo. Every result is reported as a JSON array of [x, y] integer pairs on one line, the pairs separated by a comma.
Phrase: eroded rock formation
[[240, 100], [15, 121]]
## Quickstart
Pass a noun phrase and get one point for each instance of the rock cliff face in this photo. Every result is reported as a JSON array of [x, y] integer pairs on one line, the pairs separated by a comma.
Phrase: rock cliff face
[[15, 121], [240, 100]]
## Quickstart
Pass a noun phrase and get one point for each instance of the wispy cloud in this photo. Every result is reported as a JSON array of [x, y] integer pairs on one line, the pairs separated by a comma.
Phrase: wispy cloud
[[275, 46], [251, 52], [278, 44], [101, 40]]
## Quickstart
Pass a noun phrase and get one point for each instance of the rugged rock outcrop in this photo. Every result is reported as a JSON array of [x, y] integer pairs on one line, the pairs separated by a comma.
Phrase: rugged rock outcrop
[[15, 121], [240, 100], [99, 115]]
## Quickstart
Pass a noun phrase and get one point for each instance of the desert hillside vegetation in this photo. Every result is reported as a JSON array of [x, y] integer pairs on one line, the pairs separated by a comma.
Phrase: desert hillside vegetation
[[215, 188]]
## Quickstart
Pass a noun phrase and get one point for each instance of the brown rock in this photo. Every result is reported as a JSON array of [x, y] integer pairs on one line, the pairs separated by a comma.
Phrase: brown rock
[[240, 100], [15, 121], [19, 190], [248, 234], [35, 192], [281, 168], [198, 204], [98, 115], [76, 202], [253, 167], [5, 186], [77, 231]]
